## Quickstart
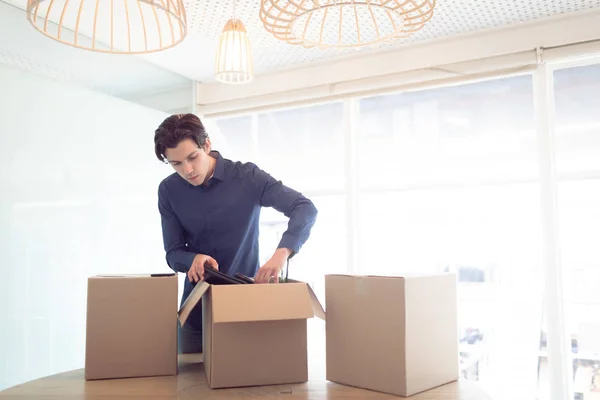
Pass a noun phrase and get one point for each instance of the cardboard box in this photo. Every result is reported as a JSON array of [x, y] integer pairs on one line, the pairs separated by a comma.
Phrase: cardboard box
[[397, 335], [254, 334], [131, 326]]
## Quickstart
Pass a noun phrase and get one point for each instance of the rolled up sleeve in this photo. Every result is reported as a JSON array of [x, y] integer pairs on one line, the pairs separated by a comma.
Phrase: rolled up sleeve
[[301, 212]]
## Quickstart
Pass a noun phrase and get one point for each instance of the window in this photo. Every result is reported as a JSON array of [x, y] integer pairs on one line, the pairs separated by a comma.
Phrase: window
[[578, 164], [454, 135], [304, 146], [233, 137], [304, 149], [448, 182], [325, 251], [577, 119]]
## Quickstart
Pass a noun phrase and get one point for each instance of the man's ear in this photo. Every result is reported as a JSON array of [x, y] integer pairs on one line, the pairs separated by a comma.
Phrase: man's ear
[[207, 146]]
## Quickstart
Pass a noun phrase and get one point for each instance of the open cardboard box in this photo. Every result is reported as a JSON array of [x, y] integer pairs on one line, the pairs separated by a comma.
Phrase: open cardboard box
[[254, 334]]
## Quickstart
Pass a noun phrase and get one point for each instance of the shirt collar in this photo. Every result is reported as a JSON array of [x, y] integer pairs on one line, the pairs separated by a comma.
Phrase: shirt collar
[[219, 172]]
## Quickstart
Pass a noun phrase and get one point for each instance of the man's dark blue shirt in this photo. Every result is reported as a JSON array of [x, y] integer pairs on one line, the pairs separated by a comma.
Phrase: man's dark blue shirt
[[221, 219]]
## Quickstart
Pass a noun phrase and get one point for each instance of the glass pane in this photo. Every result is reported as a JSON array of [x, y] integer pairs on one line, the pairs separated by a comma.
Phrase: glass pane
[[577, 102], [232, 137], [468, 133], [324, 253], [325, 250], [577, 149], [304, 147], [491, 237], [579, 208]]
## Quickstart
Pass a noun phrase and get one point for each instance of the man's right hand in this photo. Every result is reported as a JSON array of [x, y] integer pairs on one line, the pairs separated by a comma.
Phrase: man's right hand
[[196, 271]]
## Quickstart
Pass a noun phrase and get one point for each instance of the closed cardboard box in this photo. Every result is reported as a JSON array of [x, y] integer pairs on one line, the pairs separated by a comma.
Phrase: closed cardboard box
[[397, 335], [131, 326], [254, 334]]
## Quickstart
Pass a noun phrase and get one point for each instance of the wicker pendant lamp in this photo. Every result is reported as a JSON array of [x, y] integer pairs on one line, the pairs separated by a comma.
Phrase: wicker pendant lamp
[[233, 62], [111, 26], [344, 23], [234, 54]]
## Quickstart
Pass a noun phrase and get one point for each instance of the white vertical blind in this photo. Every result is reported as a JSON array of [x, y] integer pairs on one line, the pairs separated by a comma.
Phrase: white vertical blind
[[559, 352]]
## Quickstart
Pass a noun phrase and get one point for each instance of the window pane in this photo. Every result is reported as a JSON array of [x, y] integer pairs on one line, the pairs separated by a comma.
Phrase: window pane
[[577, 102], [467, 133], [304, 147], [442, 161], [491, 237], [324, 252], [579, 207], [232, 137], [577, 149]]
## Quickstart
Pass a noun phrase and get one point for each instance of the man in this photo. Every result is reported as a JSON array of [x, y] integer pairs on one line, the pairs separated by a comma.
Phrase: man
[[210, 211]]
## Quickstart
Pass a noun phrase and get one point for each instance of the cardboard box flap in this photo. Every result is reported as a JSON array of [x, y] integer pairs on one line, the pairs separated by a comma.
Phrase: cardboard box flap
[[403, 276], [266, 302], [192, 300], [370, 276], [318, 310]]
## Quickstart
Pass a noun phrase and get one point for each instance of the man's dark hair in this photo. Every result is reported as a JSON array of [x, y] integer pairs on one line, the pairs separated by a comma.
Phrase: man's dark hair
[[175, 129]]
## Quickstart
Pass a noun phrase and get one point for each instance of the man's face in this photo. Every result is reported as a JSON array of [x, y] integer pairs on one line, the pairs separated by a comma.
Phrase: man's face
[[189, 161]]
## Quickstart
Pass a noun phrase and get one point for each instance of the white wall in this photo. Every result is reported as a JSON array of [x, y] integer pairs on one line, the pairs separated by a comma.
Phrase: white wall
[[78, 183], [176, 101], [22, 46]]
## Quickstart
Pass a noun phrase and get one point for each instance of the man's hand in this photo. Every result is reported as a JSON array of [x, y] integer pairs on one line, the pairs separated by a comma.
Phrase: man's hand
[[196, 271], [272, 267]]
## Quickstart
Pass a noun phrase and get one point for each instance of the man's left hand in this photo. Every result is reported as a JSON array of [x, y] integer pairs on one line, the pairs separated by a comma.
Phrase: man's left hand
[[270, 271]]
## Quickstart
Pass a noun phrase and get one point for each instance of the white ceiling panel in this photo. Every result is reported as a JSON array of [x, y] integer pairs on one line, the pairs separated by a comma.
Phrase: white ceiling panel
[[195, 57]]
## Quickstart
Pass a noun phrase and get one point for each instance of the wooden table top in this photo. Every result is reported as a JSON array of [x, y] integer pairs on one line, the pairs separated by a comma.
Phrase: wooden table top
[[190, 384]]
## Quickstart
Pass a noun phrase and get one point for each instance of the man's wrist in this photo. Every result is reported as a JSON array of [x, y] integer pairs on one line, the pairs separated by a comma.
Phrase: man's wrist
[[283, 252]]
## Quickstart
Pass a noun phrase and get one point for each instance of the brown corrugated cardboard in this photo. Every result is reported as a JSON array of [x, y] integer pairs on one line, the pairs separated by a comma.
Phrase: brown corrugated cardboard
[[131, 326], [254, 334], [397, 335]]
